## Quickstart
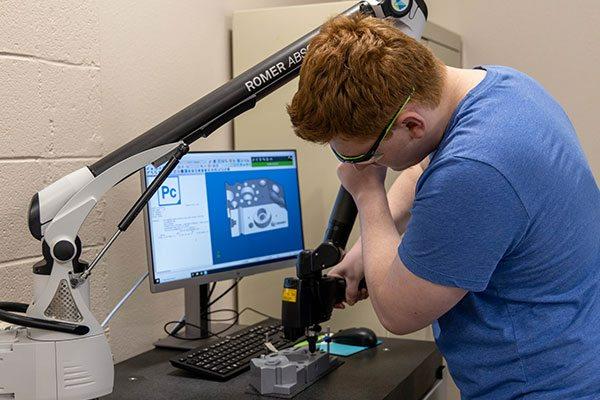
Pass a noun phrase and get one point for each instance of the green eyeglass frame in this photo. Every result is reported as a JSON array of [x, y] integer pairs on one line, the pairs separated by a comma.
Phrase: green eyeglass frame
[[372, 152]]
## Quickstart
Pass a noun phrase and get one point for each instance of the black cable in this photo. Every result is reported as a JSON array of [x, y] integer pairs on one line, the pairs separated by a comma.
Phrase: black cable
[[212, 289], [171, 334], [224, 293], [14, 307], [7, 314], [258, 312], [220, 310], [235, 312], [235, 319], [181, 324]]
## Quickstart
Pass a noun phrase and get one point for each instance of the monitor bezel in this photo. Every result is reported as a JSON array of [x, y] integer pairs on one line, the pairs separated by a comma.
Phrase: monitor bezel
[[234, 273]]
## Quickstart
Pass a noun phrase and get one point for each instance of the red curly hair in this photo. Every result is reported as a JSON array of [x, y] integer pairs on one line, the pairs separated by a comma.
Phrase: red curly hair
[[357, 72]]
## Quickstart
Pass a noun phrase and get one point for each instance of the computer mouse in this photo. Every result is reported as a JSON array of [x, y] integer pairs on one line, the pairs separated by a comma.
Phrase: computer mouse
[[356, 337]]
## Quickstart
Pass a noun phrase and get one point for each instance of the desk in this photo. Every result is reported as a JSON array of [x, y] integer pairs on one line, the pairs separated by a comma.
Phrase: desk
[[397, 369]]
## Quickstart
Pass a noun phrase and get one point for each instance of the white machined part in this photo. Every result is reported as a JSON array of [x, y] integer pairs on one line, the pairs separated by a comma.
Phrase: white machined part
[[39, 285], [76, 369], [84, 368], [55, 196], [62, 306], [80, 296], [40, 282], [413, 23], [68, 221], [261, 218]]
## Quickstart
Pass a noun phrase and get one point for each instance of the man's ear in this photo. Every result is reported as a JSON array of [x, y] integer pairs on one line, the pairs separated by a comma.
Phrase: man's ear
[[414, 122]]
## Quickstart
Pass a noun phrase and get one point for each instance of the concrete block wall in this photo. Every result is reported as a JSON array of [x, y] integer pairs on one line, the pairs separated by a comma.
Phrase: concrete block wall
[[50, 106]]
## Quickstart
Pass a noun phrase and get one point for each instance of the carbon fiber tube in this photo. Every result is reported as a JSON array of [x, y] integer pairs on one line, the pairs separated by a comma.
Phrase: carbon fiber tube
[[341, 220]]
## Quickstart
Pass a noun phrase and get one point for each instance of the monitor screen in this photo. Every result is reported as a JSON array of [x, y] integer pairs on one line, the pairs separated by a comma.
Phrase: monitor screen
[[223, 212]]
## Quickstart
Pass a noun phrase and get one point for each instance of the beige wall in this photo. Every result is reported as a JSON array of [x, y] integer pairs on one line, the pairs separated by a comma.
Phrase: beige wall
[[444, 13], [554, 43], [79, 78]]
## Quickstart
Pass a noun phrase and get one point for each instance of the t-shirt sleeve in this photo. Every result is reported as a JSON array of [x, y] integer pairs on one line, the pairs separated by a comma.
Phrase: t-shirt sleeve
[[465, 218]]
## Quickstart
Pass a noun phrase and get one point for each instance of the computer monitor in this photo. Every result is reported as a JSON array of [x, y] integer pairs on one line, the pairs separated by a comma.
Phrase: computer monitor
[[223, 215]]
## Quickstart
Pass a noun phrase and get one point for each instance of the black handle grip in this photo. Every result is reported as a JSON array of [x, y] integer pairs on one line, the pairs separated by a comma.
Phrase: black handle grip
[[7, 315], [340, 290]]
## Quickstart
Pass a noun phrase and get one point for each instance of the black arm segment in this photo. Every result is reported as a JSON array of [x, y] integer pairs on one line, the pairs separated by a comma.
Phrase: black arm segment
[[341, 220], [7, 314], [223, 104]]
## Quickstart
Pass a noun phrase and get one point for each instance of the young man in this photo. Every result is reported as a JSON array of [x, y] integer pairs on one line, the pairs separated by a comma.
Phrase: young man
[[498, 207]]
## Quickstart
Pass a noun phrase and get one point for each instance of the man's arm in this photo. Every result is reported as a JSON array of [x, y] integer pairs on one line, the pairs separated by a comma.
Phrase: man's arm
[[400, 198], [401, 195], [402, 301]]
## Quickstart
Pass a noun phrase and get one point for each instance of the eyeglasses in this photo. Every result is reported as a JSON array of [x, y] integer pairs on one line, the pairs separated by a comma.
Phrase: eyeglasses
[[371, 155]]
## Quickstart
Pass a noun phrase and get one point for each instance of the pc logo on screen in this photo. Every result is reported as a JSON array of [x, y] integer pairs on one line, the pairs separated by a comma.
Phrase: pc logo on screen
[[168, 193]]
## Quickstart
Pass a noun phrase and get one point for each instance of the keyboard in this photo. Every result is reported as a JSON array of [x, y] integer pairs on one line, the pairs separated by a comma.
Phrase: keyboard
[[229, 356]]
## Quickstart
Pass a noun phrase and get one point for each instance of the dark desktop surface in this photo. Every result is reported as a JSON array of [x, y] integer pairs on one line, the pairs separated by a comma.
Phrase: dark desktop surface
[[397, 369]]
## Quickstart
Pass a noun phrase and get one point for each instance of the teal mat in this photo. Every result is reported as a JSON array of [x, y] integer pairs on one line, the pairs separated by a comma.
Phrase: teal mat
[[344, 350]]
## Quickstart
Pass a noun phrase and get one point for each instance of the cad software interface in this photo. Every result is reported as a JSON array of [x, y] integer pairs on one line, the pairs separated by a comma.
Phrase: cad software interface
[[225, 210]]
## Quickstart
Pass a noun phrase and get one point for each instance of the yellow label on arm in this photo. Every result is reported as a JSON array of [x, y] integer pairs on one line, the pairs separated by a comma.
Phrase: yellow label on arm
[[289, 295]]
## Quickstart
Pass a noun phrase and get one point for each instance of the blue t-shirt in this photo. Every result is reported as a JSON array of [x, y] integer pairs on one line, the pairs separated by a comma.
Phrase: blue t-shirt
[[509, 210]]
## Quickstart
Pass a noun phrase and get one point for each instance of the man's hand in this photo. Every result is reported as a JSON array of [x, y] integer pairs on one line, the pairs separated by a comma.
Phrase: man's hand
[[357, 182], [350, 269], [364, 180]]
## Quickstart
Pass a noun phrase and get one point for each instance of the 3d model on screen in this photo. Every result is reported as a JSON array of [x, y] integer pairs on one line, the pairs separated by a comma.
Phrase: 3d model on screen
[[256, 206]]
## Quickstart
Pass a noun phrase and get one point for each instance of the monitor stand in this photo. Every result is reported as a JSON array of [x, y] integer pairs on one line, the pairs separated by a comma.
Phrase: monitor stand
[[196, 299]]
